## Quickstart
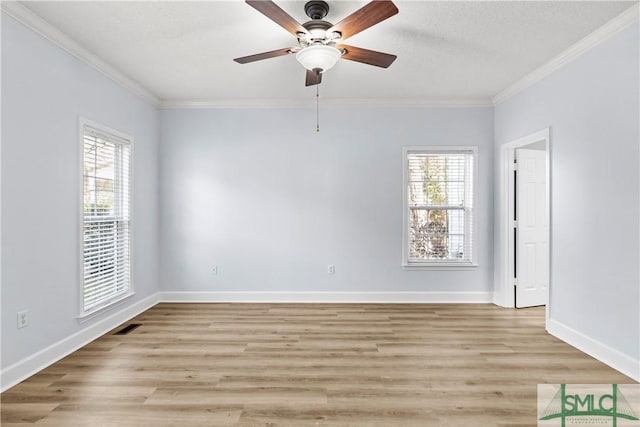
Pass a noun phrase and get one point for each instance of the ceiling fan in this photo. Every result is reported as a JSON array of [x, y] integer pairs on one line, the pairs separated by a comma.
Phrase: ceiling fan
[[320, 42]]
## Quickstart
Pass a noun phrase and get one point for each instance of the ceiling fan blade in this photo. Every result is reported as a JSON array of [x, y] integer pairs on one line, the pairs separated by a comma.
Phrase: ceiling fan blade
[[265, 55], [313, 78], [366, 56], [277, 15], [365, 17]]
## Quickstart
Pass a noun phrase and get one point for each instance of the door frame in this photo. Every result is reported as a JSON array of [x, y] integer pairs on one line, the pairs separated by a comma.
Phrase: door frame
[[505, 292]]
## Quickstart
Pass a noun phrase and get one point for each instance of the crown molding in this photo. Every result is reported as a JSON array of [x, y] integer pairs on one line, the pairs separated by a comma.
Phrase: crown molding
[[31, 20], [26, 17], [49, 32], [328, 103], [617, 24]]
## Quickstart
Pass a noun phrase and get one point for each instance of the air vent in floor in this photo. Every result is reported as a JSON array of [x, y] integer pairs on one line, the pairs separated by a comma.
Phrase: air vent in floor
[[128, 328]]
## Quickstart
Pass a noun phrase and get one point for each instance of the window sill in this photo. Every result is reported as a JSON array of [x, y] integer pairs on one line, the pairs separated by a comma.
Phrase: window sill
[[84, 317], [439, 266]]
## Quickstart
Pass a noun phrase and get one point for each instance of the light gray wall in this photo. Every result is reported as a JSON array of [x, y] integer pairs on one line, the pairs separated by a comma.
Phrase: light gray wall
[[44, 91], [269, 201], [591, 106]]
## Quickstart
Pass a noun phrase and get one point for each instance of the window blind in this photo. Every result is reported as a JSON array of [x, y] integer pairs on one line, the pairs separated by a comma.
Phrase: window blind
[[106, 224], [439, 197]]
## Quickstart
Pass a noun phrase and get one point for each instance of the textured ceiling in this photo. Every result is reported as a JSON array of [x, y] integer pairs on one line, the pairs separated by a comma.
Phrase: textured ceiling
[[183, 51]]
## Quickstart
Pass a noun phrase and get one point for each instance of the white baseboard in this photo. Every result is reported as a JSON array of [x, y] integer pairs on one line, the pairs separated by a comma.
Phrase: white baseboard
[[607, 355], [330, 297], [22, 370]]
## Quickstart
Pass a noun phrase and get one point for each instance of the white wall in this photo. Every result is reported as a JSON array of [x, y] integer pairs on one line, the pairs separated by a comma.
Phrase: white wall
[[44, 92], [592, 108], [269, 201]]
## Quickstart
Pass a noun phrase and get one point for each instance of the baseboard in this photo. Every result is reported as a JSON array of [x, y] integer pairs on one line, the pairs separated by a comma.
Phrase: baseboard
[[22, 370], [329, 297], [607, 355]]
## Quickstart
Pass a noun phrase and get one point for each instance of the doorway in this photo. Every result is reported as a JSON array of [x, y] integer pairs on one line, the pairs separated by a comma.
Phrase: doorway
[[525, 215]]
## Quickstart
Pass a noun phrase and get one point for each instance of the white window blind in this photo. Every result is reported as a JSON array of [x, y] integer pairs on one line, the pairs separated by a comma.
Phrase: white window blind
[[106, 225], [439, 201]]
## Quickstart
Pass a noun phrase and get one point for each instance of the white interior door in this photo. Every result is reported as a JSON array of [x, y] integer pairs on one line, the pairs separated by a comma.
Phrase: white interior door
[[532, 253]]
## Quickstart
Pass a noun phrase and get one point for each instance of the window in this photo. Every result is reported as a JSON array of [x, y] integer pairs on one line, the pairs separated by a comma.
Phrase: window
[[438, 206], [106, 219]]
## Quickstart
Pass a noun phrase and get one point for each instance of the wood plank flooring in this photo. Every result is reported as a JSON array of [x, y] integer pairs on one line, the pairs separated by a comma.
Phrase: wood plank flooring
[[298, 365]]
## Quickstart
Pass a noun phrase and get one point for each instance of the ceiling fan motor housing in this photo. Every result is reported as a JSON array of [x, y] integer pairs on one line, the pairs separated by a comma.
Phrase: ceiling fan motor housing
[[317, 32], [317, 27]]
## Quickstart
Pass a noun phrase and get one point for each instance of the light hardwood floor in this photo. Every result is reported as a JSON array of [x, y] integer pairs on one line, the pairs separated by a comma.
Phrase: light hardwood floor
[[301, 365]]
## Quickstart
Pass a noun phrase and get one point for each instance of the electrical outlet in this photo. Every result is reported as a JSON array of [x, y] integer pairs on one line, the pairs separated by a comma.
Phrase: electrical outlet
[[331, 269], [214, 270], [23, 319]]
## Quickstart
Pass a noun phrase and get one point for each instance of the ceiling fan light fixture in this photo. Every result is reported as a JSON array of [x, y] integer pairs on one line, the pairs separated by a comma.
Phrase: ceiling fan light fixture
[[318, 56]]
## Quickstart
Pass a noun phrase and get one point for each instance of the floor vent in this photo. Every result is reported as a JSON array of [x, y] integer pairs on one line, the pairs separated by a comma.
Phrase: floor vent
[[127, 329]]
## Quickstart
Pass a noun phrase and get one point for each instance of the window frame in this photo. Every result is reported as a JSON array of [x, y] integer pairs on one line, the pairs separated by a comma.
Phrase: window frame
[[471, 263], [85, 314]]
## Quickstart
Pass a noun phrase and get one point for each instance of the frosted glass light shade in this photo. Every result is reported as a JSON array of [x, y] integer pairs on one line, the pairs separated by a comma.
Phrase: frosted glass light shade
[[318, 56]]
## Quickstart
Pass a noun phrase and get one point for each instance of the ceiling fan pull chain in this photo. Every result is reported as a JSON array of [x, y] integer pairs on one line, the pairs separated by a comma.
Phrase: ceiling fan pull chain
[[317, 108]]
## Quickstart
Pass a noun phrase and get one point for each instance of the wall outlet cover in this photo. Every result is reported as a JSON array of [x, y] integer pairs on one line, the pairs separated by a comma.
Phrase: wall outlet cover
[[23, 318]]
